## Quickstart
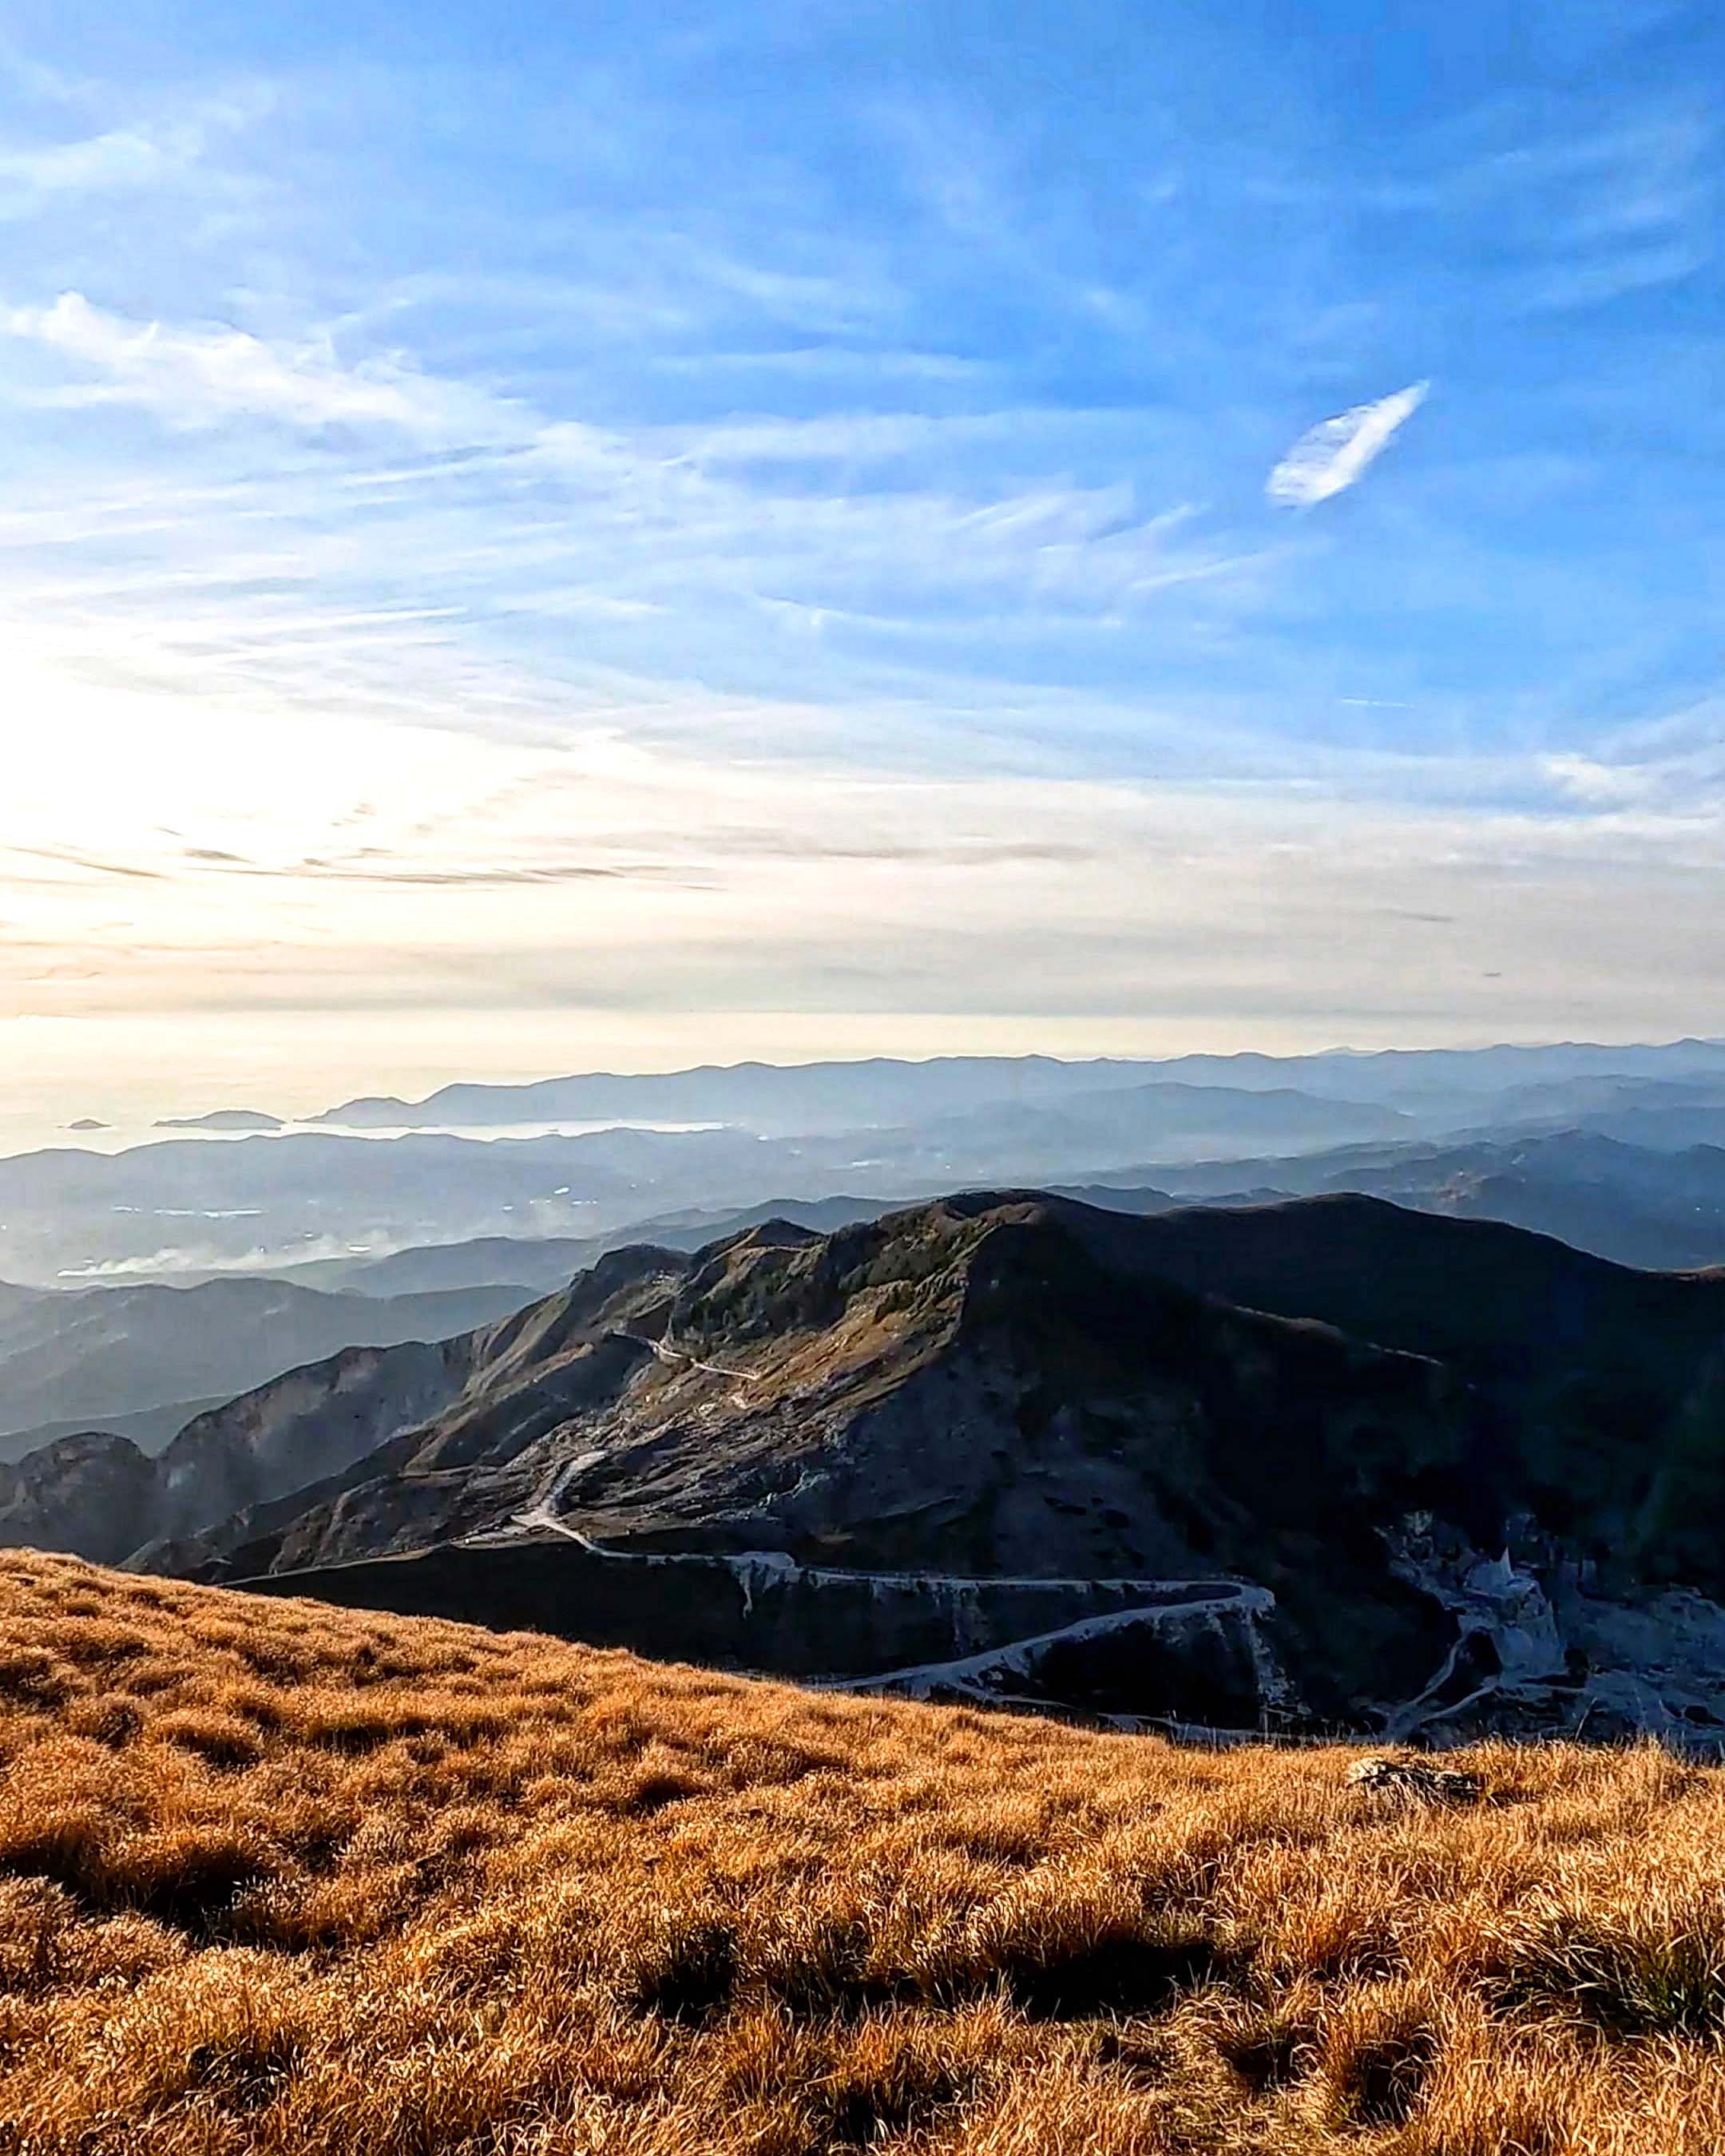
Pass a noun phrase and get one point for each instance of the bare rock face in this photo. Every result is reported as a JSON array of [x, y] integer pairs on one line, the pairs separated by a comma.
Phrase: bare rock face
[[86, 1493], [99, 1496], [81, 1357], [305, 1425], [1547, 1643]]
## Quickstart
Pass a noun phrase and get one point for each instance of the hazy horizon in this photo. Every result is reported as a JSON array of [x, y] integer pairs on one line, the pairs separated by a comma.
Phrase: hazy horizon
[[826, 531], [41, 1112]]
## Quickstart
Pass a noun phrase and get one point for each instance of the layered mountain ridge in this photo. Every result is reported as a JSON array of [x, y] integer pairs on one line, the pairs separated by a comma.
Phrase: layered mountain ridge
[[1322, 1462], [83, 1355]]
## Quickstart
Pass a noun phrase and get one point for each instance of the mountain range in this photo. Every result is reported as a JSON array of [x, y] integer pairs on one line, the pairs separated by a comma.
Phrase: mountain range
[[584, 1159], [879, 1092], [1638, 1206], [1641, 1206], [1329, 1460]]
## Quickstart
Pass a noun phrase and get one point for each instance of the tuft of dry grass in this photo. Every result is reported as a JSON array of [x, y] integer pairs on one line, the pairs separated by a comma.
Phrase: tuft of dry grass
[[276, 1878]]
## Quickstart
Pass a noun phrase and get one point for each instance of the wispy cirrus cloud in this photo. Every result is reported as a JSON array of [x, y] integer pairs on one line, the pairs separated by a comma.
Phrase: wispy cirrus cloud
[[1599, 278], [1673, 767], [1331, 456], [476, 522], [192, 377]]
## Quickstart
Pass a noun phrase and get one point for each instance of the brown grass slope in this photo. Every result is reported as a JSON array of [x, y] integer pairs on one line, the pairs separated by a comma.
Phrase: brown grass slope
[[278, 1878]]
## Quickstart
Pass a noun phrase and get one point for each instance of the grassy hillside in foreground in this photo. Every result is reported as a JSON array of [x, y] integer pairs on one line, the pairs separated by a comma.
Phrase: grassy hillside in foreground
[[278, 1877]]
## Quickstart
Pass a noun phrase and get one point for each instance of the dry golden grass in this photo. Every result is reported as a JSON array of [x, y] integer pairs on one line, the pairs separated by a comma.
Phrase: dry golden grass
[[278, 1877]]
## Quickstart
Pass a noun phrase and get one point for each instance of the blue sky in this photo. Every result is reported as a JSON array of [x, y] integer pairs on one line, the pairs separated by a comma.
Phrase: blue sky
[[815, 526]]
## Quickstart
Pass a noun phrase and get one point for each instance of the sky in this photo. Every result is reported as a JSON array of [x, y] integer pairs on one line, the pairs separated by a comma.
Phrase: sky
[[538, 538]]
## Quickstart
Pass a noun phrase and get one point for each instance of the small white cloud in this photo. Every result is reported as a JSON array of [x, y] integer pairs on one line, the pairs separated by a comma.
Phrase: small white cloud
[[1596, 785], [1334, 454], [145, 154], [123, 158]]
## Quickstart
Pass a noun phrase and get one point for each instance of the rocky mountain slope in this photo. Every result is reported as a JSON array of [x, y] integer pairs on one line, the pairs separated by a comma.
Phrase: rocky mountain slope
[[98, 1494], [1328, 1462], [150, 1429]]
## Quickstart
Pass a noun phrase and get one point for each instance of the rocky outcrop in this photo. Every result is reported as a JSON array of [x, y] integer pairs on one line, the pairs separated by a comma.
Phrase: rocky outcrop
[[100, 1496], [86, 1493], [1390, 1784]]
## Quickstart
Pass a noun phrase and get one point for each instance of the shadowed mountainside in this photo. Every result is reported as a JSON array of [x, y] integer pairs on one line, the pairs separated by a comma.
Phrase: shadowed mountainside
[[1633, 1204], [86, 1354]]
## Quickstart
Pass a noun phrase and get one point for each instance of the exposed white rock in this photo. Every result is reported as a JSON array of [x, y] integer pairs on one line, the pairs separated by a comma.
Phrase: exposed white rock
[[1559, 1656]]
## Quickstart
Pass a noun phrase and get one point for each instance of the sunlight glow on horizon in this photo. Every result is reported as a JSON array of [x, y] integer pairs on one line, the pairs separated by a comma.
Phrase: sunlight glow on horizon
[[733, 537]]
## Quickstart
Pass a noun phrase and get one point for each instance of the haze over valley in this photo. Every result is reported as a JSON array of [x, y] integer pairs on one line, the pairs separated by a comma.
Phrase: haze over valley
[[1622, 1146]]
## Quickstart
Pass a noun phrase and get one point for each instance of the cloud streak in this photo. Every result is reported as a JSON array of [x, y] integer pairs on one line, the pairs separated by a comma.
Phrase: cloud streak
[[1331, 456], [206, 376]]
